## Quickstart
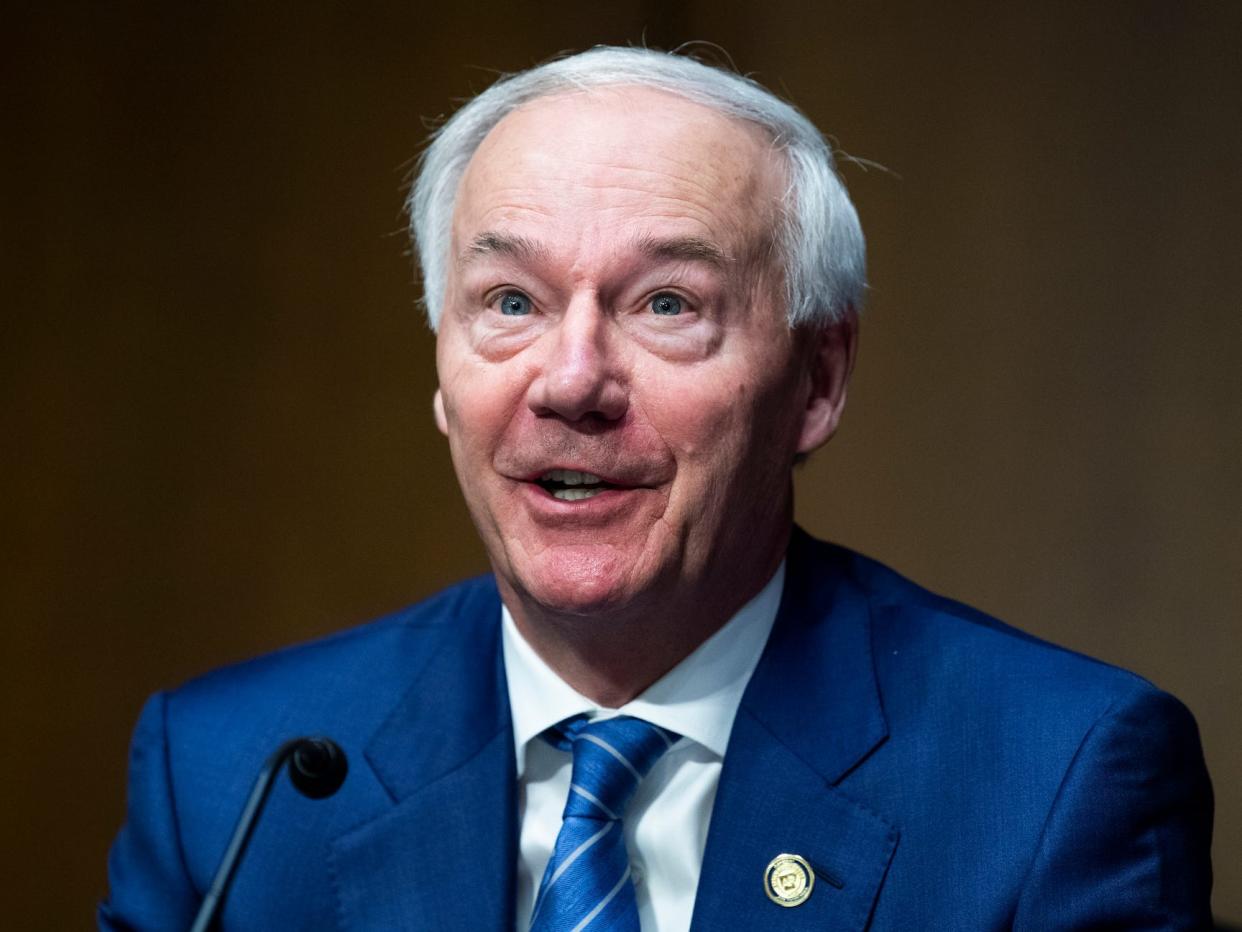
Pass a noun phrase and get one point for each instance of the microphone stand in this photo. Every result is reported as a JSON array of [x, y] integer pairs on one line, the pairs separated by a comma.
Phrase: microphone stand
[[317, 769]]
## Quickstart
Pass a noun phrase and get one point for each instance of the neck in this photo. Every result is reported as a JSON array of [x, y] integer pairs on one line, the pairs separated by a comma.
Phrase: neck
[[613, 656]]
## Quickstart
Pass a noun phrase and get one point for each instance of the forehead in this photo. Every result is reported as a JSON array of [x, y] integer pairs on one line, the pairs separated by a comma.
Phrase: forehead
[[639, 157]]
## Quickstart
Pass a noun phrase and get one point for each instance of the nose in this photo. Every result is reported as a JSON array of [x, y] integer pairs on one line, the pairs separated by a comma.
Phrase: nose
[[580, 377]]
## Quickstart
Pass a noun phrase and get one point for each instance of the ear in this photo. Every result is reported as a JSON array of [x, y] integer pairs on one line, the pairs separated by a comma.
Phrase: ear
[[831, 360], [437, 407]]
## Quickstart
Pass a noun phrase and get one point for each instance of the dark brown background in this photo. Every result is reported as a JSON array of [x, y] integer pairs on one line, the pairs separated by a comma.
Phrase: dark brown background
[[217, 431]]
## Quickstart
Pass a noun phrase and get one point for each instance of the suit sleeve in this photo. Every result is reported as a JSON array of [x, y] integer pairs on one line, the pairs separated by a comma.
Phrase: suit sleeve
[[149, 888], [1127, 842]]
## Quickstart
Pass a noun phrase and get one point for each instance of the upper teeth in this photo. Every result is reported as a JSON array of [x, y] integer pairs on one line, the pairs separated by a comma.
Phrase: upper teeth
[[570, 477]]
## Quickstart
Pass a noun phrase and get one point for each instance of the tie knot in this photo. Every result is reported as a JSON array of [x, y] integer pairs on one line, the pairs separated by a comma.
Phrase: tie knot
[[611, 757]]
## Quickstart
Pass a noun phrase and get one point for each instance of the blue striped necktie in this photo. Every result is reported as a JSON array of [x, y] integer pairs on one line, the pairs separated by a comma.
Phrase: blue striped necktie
[[587, 882]]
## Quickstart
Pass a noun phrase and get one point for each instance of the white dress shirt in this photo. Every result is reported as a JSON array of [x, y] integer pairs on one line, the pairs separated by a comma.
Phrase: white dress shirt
[[666, 821]]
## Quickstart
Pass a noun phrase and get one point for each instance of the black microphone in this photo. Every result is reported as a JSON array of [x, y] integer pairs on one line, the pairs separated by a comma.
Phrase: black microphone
[[317, 767]]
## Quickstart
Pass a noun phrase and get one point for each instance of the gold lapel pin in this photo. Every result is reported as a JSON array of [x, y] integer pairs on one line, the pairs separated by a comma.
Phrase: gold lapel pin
[[788, 881]]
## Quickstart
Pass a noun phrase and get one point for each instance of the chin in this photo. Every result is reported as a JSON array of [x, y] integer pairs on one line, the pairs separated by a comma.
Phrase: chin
[[579, 581]]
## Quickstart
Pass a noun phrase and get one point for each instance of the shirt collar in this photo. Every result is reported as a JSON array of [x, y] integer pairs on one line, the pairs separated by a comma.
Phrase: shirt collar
[[698, 698]]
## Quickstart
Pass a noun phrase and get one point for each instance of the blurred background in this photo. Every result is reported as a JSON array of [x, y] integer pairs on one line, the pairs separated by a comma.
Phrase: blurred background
[[217, 433]]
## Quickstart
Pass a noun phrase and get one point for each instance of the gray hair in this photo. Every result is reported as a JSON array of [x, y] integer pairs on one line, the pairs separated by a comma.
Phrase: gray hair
[[818, 235]]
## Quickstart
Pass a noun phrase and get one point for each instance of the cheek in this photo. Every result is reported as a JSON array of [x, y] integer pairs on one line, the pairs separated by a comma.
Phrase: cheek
[[478, 407], [726, 424], [702, 419]]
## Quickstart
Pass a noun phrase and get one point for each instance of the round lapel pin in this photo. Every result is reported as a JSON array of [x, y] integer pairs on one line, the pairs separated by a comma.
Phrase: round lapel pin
[[788, 881]]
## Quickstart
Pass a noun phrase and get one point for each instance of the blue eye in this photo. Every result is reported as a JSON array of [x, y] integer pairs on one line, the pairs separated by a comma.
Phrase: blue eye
[[514, 304], [666, 304]]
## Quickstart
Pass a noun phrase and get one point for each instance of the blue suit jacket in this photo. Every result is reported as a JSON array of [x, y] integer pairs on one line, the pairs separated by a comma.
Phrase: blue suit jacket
[[938, 769]]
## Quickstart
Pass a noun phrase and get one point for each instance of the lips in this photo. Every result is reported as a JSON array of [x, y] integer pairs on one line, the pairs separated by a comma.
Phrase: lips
[[566, 469], [573, 485]]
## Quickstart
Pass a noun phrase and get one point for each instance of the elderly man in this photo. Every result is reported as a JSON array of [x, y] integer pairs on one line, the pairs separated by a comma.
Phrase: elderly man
[[668, 708]]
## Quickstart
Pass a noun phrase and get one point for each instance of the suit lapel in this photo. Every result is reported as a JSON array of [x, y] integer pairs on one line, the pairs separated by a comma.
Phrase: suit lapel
[[810, 714], [436, 859], [442, 856]]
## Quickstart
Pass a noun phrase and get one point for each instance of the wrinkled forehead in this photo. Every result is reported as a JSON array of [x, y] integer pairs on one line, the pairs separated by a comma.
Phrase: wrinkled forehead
[[642, 154]]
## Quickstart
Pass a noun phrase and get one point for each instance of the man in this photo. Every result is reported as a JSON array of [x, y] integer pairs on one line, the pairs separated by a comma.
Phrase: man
[[668, 708]]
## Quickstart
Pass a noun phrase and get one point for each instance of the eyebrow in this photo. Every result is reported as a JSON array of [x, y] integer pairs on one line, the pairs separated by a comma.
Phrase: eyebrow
[[684, 249], [526, 250], [519, 248]]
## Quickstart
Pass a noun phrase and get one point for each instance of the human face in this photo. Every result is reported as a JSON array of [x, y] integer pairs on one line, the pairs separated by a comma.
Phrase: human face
[[610, 309]]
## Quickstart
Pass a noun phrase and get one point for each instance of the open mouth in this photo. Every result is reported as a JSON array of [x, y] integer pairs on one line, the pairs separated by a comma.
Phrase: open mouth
[[570, 485]]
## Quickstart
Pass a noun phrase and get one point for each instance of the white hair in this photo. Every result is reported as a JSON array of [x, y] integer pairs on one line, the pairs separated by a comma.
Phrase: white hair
[[818, 237]]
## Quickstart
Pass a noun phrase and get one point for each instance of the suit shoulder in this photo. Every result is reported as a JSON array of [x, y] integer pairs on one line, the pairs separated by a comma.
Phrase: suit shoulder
[[1010, 765], [968, 650], [390, 648]]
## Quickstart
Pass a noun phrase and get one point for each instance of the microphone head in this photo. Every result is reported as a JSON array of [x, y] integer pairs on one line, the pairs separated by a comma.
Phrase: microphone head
[[317, 767]]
